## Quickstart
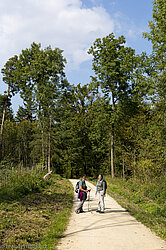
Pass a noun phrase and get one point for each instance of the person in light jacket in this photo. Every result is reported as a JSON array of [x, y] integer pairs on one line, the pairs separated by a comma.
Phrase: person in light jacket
[[100, 190]]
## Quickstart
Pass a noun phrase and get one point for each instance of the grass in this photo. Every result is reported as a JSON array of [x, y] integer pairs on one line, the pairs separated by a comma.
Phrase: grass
[[145, 201], [34, 213]]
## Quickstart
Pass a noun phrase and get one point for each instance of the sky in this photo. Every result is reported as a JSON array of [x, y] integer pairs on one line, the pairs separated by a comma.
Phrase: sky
[[73, 26]]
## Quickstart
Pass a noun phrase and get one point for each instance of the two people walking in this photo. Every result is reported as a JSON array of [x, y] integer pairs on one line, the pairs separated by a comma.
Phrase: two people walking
[[100, 191]]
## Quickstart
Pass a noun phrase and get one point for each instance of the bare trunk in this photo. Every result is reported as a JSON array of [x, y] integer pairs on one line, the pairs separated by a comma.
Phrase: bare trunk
[[43, 163], [123, 168], [112, 140], [45, 177], [134, 163], [112, 154], [49, 148], [3, 119], [84, 161]]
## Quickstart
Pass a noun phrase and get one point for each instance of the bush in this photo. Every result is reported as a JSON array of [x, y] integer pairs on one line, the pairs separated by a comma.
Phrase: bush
[[21, 184]]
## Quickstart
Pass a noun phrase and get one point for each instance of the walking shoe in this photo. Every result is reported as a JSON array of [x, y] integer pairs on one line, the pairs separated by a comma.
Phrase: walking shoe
[[98, 211], [101, 212], [77, 211]]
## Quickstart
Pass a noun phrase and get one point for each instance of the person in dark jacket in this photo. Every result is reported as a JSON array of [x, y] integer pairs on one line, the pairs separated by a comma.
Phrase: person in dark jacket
[[100, 190], [82, 195]]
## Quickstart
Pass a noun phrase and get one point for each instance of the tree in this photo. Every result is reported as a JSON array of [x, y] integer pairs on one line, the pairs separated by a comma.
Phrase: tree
[[157, 36], [9, 78], [39, 75], [73, 128], [113, 64]]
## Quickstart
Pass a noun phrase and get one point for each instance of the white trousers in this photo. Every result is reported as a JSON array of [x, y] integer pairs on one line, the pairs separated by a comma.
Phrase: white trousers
[[101, 201]]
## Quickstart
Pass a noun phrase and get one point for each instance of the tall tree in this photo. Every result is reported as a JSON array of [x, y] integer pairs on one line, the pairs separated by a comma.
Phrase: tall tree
[[157, 36], [39, 75], [9, 78], [113, 64]]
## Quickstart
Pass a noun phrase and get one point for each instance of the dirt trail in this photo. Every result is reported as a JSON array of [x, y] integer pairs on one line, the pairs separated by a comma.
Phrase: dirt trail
[[113, 230]]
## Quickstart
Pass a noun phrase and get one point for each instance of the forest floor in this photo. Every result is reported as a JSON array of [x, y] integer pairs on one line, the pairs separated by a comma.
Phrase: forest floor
[[116, 229]]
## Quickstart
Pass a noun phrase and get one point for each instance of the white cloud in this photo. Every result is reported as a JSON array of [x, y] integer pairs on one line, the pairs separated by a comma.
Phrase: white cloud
[[59, 23]]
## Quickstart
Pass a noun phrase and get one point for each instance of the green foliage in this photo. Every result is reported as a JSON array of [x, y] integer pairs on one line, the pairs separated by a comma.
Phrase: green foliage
[[157, 36], [113, 64], [116, 124], [9, 113], [22, 183]]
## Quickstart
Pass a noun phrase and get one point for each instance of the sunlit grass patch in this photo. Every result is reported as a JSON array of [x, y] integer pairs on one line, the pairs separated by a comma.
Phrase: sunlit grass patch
[[38, 217]]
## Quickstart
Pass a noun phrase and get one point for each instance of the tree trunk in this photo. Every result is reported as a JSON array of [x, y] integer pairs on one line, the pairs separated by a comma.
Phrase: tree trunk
[[112, 139], [43, 158], [134, 163], [110, 156], [49, 148], [123, 168], [84, 161], [112, 153], [3, 119]]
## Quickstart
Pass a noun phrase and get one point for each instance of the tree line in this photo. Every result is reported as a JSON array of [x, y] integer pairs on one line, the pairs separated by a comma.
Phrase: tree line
[[116, 124]]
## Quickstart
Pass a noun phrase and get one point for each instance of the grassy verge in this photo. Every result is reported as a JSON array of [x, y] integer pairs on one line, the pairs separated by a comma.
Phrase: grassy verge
[[34, 213], [145, 201]]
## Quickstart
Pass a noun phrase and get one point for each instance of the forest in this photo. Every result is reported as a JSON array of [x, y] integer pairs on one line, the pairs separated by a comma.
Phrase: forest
[[115, 124]]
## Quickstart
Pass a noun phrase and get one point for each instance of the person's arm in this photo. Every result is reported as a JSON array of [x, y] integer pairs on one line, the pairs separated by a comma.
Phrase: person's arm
[[96, 187], [104, 189], [83, 190]]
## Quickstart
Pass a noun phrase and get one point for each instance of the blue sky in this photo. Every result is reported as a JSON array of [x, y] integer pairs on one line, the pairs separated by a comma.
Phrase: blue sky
[[71, 25]]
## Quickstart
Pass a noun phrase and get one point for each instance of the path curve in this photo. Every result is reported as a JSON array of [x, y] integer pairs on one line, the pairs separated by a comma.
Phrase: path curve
[[116, 229]]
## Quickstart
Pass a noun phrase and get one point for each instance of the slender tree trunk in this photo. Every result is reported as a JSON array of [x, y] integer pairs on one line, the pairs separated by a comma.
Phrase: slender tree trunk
[[42, 136], [123, 168], [112, 140], [84, 161], [49, 148], [3, 119], [43, 163], [112, 153], [134, 163], [109, 154]]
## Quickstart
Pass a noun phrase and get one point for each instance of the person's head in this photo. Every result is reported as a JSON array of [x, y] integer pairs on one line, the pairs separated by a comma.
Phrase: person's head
[[84, 177], [100, 177]]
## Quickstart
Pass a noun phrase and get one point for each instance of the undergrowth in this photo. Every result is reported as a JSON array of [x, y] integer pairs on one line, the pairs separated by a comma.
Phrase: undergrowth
[[33, 212]]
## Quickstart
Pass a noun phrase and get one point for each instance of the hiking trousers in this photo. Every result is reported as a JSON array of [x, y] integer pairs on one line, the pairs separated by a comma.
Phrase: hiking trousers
[[101, 201], [80, 206]]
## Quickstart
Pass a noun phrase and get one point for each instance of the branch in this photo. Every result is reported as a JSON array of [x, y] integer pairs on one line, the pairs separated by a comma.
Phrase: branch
[[44, 178]]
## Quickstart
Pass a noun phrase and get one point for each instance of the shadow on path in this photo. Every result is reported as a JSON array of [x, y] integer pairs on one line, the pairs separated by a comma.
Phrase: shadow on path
[[108, 225]]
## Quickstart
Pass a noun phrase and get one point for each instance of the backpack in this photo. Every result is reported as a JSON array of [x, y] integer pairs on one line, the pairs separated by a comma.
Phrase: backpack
[[105, 184], [77, 187]]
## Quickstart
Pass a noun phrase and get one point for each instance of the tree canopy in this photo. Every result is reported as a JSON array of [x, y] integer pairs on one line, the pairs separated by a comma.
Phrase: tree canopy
[[115, 124]]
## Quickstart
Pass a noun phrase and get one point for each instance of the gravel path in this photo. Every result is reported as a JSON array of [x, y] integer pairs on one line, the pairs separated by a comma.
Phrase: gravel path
[[113, 230]]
